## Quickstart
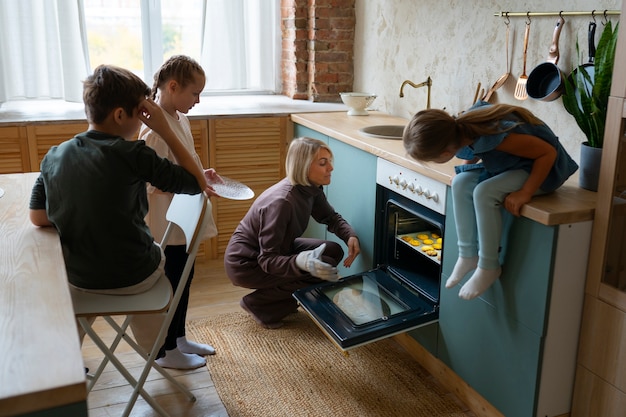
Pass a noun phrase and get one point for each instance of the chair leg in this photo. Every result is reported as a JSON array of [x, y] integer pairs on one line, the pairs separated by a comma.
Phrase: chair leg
[[120, 333], [148, 366], [138, 388]]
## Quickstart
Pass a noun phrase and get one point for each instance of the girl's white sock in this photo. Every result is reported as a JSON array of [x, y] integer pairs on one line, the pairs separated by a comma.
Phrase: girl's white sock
[[187, 346], [461, 268], [178, 360], [479, 282]]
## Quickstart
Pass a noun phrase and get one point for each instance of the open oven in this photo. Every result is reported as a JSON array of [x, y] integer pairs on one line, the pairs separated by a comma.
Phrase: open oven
[[402, 292]]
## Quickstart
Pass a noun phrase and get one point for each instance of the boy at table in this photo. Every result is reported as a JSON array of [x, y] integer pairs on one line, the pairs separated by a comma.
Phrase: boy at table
[[92, 189]]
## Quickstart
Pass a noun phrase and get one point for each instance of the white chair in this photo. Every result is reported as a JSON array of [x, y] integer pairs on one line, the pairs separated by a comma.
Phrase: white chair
[[188, 212]]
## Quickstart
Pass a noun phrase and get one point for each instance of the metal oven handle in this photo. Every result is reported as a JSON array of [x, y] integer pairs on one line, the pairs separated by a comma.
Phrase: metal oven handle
[[396, 221]]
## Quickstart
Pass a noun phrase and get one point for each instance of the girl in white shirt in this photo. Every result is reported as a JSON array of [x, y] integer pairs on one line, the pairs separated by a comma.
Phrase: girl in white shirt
[[177, 87]]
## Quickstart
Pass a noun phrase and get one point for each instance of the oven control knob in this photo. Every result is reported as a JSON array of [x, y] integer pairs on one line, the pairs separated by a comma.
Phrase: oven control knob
[[431, 196], [403, 184], [418, 190], [394, 179], [411, 187]]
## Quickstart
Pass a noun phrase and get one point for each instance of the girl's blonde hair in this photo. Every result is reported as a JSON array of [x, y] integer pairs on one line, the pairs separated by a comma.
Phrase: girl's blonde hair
[[300, 156], [431, 132], [179, 68]]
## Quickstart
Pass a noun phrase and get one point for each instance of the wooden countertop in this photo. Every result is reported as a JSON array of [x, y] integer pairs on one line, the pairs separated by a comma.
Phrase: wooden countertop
[[569, 204], [41, 365]]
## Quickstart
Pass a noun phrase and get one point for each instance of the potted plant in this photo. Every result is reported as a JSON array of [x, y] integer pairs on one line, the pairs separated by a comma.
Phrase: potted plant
[[586, 99]]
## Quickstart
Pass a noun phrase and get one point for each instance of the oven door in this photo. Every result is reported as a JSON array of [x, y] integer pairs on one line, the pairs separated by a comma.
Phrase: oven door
[[366, 307]]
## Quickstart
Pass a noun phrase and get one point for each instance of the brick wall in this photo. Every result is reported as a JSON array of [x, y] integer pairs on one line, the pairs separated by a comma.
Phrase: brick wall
[[317, 48], [294, 61]]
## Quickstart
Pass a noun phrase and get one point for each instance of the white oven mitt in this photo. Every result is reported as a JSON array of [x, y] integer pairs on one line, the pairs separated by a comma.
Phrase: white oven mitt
[[309, 260]]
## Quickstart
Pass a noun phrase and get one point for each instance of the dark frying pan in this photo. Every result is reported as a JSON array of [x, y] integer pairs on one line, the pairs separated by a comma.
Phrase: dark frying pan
[[546, 82], [591, 42], [589, 66]]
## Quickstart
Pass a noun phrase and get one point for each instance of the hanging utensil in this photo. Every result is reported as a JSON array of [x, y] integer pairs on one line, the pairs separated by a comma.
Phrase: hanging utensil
[[500, 81], [587, 82], [520, 88], [476, 93], [547, 82]]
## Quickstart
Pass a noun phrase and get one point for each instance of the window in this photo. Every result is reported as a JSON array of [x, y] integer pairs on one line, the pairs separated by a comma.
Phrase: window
[[114, 34], [236, 41], [139, 35]]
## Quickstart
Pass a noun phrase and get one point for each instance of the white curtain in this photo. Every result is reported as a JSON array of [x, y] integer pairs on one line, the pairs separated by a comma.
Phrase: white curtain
[[240, 43], [42, 50]]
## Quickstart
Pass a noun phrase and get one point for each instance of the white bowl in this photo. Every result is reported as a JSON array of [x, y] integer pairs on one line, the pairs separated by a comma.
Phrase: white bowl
[[357, 102]]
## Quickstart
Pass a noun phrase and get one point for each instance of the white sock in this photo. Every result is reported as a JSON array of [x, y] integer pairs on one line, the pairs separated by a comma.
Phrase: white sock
[[187, 346], [479, 282], [461, 268], [178, 360]]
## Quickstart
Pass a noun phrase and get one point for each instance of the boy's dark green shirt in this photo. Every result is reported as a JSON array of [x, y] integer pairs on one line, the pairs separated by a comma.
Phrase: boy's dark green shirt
[[93, 188]]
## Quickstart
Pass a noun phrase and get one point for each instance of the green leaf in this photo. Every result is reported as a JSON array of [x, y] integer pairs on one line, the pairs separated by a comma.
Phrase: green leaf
[[586, 98]]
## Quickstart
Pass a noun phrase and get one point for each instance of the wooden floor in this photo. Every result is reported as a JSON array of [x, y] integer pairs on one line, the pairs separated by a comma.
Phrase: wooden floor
[[212, 293]]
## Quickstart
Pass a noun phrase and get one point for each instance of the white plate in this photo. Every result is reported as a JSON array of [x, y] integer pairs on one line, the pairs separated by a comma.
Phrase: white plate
[[232, 189]]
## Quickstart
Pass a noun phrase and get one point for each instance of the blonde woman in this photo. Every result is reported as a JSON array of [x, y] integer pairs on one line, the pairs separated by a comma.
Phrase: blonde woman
[[267, 252]]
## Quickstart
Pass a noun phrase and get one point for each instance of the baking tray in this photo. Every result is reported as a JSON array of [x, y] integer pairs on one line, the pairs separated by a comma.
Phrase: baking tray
[[420, 242]]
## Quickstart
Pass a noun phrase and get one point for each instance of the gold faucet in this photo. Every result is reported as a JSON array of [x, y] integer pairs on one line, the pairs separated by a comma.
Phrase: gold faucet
[[428, 83]]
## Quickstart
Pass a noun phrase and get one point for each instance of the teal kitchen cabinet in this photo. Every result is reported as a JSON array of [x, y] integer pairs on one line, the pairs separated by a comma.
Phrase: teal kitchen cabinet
[[352, 192], [516, 343]]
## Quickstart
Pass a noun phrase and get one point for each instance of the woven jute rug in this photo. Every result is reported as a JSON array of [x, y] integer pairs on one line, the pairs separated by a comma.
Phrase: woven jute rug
[[297, 371]]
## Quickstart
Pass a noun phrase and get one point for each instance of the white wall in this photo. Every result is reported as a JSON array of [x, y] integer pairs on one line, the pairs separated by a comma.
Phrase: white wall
[[460, 43]]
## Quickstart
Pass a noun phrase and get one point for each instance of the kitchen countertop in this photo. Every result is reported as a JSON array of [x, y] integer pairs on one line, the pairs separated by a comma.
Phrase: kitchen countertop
[[569, 204], [47, 111]]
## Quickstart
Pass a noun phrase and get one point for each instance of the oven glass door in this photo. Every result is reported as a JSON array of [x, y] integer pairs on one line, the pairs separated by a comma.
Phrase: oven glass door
[[366, 307]]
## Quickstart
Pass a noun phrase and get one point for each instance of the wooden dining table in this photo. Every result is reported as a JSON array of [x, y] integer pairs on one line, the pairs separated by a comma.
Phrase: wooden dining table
[[41, 366]]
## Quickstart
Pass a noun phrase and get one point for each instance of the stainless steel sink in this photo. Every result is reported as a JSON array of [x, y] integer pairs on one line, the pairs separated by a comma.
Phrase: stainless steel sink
[[383, 131]]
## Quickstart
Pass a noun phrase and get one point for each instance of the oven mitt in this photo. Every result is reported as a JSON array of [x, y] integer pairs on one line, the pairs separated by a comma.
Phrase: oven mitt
[[309, 260]]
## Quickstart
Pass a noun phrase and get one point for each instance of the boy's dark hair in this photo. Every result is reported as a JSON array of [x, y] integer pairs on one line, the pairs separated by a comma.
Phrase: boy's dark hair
[[110, 87]]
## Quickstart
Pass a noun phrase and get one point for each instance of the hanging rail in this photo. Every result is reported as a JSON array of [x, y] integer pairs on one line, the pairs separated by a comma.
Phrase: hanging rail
[[593, 13]]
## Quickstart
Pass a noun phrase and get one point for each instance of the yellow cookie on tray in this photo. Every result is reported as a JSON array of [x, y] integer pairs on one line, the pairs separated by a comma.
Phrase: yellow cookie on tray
[[435, 236], [414, 242], [428, 241], [437, 246], [426, 248], [422, 236]]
